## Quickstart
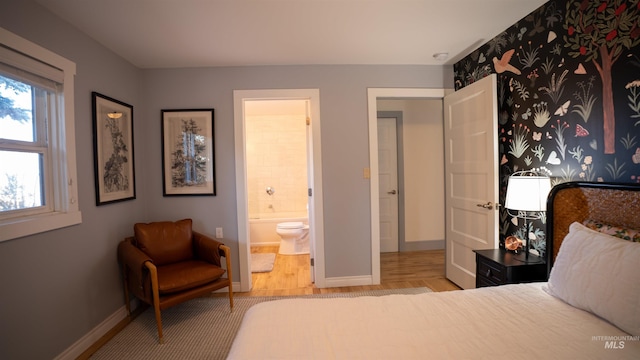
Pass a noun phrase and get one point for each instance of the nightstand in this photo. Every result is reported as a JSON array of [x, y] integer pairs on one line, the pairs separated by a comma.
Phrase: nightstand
[[499, 267]]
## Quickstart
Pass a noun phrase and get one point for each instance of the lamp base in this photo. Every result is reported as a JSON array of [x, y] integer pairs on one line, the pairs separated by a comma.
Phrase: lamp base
[[524, 258]]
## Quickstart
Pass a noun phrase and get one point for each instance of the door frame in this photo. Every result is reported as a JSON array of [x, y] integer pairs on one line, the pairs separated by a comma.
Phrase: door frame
[[244, 245], [373, 94]]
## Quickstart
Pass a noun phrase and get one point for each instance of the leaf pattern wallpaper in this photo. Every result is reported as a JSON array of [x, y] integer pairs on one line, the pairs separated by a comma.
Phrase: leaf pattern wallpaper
[[568, 96]]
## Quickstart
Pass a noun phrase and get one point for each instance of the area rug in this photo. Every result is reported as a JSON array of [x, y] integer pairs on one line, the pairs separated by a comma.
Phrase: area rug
[[262, 262], [202, 328]]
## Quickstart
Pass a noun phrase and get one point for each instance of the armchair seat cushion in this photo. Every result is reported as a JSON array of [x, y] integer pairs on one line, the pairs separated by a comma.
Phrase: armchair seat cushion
[[185, 275]]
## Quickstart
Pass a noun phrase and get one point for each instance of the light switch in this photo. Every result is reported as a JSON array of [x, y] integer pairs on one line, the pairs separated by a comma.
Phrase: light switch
[[366, 173]]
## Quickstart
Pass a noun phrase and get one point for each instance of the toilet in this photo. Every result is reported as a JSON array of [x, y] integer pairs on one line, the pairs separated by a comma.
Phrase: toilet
[[294, 238]]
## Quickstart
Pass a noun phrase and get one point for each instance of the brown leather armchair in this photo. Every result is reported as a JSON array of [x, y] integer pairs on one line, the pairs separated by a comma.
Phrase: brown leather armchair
[[167, 263]]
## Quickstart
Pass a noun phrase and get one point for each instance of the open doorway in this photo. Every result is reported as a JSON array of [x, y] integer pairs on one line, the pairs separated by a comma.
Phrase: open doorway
[[244, 102], [374, 106]]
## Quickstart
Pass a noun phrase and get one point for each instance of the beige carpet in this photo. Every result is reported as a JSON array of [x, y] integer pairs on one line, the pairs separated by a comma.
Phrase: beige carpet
[[202, 328]]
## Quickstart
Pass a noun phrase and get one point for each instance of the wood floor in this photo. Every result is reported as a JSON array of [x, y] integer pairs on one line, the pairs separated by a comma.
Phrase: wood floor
[[290, 275]]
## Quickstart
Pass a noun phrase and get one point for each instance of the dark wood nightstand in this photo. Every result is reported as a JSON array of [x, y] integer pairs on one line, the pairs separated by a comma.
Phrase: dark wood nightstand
[[499, 267]]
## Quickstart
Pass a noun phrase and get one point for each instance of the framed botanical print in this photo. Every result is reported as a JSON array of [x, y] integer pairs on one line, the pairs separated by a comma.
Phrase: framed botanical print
[[188, 159], [113, 150]]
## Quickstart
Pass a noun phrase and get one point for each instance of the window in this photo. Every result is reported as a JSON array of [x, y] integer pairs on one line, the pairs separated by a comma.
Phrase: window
[[38, 190]]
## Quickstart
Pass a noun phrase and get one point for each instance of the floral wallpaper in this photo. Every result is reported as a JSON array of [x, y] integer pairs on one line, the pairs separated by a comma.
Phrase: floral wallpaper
[[568, 96]]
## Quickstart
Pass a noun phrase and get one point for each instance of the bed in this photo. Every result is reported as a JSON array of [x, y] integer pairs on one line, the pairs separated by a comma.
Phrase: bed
[[589, 307]]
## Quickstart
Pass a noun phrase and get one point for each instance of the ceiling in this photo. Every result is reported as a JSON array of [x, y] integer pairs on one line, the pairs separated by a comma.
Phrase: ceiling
[[204, 33]]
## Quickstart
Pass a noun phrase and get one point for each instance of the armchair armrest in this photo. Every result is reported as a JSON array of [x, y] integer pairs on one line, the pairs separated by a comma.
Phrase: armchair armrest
[[131, 256], [227, 255], [134, 266], [207, 248], [211, 250]]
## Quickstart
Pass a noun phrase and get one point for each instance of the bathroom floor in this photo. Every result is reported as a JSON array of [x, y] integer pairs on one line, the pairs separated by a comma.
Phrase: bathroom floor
[[290, 274]]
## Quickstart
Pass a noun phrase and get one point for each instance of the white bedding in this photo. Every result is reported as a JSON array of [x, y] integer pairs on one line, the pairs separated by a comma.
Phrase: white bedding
[[514, 321]]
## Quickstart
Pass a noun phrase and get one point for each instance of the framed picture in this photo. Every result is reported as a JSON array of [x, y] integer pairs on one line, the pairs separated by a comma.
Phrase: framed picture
[[188, 162], [113, 150]]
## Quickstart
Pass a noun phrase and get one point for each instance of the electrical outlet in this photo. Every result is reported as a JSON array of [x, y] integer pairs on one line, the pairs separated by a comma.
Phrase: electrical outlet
[[219, 234]]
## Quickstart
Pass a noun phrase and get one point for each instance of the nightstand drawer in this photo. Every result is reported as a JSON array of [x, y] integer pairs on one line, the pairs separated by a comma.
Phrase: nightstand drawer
[[499, 267], [482, 281], [491, 271]]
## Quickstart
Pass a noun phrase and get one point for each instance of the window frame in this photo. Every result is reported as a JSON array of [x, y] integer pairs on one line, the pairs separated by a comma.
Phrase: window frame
[[60, 169]]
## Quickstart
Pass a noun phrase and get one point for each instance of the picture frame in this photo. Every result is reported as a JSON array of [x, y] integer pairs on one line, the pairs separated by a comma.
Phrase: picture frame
[[113, 150], [188, 156]]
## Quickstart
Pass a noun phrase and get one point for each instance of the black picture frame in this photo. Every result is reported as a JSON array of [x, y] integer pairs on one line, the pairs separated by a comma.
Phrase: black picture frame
[[113, 150], [188, 156]]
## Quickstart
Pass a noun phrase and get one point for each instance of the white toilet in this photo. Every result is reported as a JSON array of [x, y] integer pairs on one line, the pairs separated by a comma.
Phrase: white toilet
[[294, 238]]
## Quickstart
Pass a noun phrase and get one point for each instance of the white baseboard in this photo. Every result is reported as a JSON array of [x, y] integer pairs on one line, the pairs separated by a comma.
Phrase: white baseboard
[[277, 243], [236, 285], [348, 281], [329, 282], [109, 323], [95, 334]]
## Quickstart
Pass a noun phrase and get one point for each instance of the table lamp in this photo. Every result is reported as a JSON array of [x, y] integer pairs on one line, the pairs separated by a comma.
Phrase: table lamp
[[527, 193]]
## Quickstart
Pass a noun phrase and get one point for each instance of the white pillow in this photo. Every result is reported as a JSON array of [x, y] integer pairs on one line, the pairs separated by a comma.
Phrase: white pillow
[[600, 274]]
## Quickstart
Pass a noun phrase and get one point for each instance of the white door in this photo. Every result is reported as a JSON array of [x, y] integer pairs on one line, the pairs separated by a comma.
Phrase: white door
[[471, 174], [388, 179]]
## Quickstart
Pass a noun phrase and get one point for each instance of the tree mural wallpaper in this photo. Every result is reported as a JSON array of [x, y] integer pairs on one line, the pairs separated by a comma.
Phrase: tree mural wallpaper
[[568, 96], [600, 32]]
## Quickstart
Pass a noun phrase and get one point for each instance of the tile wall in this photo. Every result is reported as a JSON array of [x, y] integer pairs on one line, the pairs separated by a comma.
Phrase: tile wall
[[277, 158]]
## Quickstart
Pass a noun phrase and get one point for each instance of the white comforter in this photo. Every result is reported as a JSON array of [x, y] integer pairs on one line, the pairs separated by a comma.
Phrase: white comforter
[[515, 321]]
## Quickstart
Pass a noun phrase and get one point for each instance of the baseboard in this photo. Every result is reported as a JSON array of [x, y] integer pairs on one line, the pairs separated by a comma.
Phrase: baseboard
[[348, 281], [277, 243], [97, 333], [422, 245], [236, 285]]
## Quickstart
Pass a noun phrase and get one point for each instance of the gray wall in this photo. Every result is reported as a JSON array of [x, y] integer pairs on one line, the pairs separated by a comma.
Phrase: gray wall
[[59, 285], [56, 286], [345, 144]]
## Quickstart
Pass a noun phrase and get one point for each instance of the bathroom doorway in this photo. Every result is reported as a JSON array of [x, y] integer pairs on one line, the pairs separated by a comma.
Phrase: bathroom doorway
[[278, 172]]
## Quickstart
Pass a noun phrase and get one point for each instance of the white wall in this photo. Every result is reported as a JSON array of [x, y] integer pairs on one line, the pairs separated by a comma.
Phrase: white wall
[[423, 157]]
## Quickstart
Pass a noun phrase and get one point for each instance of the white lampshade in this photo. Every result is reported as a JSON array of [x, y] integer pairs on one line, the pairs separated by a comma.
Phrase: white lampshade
[[527, 193]]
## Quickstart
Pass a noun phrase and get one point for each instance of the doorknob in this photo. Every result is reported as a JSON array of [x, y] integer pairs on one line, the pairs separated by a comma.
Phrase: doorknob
[[487, 206], [392, 192]]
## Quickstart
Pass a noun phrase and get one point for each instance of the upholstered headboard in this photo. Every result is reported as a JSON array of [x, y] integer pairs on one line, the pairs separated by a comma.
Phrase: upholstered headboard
[[613, 204]]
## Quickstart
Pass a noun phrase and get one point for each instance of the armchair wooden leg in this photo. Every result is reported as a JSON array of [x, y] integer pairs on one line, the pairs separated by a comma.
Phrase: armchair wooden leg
[[153, 273], [227, 256], [125, 282], [158, 322]]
